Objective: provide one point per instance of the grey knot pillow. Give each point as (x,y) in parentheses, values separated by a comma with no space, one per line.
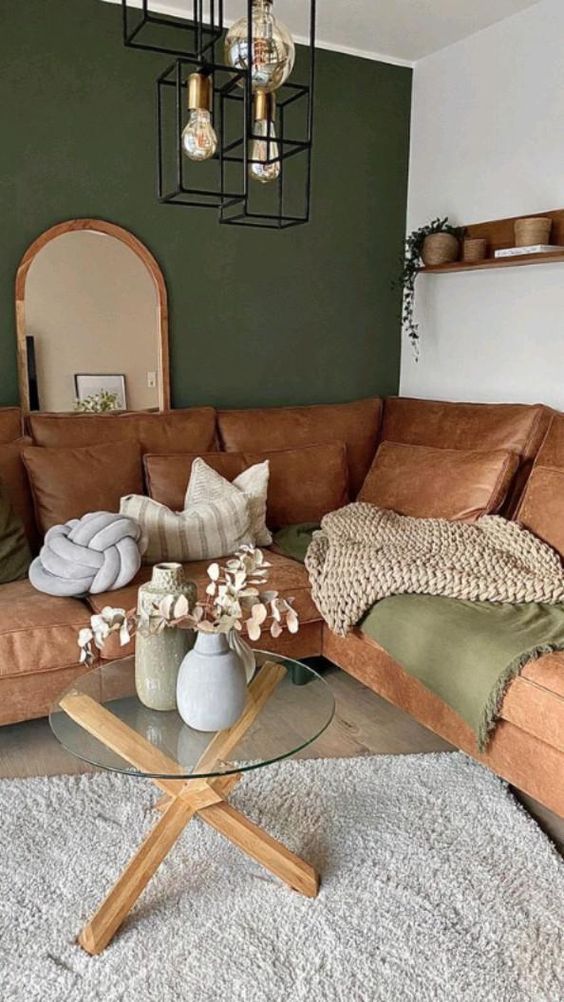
(96,553)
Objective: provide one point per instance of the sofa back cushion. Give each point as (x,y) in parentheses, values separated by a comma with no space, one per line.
(14,477)
(518,428)
(10,424)
(304,484)
(192,428)
(456,484)
(542,506)
(68,483)
(275,428)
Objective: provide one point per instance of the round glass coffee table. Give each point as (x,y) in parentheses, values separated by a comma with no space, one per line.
(100,720)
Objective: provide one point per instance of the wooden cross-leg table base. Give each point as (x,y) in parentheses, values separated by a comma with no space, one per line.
(184,799)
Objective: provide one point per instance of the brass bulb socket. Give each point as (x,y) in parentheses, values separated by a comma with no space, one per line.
(264,107)
(199,92)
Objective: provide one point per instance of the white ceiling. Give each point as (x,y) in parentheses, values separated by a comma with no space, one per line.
(397,30)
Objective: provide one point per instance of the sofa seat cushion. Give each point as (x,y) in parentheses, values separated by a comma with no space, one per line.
(288,577)
(273,428)
(304,483)
(38,632)
(190,428)
(10,424)
(535,700)
(69,483)
(456,484)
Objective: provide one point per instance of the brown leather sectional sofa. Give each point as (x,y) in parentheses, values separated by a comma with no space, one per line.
(38,648)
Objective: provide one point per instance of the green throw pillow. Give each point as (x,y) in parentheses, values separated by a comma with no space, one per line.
(15,554)
(293,540)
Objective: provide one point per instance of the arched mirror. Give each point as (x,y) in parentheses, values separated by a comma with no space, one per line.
(92,327)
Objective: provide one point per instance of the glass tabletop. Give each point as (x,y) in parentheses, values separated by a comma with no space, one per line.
(101,720)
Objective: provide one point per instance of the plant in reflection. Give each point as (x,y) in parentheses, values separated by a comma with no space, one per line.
(233,602)
(98,403)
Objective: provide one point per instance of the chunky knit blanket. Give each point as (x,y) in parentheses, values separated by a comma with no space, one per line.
(363,554)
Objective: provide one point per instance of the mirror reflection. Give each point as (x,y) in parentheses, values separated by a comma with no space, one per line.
(91,327)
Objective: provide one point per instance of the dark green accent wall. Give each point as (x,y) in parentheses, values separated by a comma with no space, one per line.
(256,317)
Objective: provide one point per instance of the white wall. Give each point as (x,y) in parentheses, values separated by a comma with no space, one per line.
(488,142)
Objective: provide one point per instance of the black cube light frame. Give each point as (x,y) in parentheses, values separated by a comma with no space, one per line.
(172,164)
(199,30)
(243,213)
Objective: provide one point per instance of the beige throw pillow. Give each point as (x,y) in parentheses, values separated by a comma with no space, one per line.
(205,531)
(206,484)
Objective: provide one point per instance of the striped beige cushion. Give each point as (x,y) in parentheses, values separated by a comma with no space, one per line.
(206,484)
(207,530)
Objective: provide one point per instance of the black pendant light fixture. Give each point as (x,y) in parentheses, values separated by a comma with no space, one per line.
(234,125)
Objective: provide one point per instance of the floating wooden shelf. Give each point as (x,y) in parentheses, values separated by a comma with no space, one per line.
(499,233)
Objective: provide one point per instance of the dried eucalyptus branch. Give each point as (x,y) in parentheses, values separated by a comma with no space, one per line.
(233,600)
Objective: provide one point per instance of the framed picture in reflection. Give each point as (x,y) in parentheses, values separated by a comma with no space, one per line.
(98,392)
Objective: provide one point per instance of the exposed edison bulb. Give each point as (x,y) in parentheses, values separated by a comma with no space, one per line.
(199,140)
(265,167)
(263,153)
(273,51)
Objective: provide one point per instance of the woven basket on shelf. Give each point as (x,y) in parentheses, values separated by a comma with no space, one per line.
(474,249)
(440,248)
(535,230)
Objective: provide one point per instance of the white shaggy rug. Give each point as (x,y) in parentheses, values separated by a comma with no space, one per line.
(436,887)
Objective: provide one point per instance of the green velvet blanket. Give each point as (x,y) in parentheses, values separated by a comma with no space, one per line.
(464,652)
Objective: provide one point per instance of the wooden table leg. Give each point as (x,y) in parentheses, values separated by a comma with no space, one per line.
(183,799)
(108,917)
(258,844)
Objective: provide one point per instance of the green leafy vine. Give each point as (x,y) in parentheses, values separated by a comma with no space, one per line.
(410,267)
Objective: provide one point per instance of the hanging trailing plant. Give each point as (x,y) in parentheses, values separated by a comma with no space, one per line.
(410,267)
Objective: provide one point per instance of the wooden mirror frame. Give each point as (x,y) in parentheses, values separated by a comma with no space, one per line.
(142,252)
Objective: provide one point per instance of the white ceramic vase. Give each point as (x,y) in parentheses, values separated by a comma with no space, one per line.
(211,690)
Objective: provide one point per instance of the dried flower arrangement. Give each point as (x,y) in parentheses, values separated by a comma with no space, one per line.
(233,600)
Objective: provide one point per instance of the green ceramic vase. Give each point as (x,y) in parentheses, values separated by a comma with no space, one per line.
(158,658)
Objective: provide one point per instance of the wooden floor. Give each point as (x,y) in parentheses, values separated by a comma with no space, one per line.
(365,724)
